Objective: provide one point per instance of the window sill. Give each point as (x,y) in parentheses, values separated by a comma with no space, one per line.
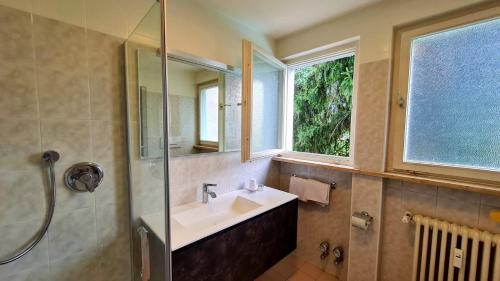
(319,164)
(315,157)
(206,148)
(449,183)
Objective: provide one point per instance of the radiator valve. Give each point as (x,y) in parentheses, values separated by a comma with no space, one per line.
(407,217)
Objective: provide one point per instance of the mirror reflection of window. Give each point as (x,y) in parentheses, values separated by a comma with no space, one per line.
(209,114)
(204,106)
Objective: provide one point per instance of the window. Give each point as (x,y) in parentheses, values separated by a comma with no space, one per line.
(301,109)
(322,104)
(263,92)
(446,98)
(209,113)
(267,97)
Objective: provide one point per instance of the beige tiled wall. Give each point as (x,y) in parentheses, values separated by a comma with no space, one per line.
(61,88)
(369,138)
(364,244)
(371,108)
(316,223)
(457,206)
(187,174)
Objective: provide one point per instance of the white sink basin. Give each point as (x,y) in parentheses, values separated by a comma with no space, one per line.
(194,221)
(215,212)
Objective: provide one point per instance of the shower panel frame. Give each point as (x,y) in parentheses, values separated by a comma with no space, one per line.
(166,143)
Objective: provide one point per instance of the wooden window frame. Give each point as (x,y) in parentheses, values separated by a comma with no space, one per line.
(399,90)
(337,51)
(246,111)
(200,144)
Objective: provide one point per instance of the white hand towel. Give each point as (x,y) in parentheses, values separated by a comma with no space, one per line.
(298,186)
(317,191)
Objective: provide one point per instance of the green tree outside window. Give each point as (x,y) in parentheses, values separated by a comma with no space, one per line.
(323,104)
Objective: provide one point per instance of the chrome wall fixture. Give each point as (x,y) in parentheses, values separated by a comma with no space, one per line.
(84,177)
(338,253)
(361,220)
(333,185)
(81,177)
(324,248)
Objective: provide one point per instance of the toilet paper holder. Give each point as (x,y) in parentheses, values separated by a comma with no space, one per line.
(361,220)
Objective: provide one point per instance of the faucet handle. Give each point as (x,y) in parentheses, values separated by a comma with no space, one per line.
(209,184)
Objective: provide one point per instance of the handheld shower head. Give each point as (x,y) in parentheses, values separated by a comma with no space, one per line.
(50,156)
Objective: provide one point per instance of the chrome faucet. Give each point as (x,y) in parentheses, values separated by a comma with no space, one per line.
(207,192)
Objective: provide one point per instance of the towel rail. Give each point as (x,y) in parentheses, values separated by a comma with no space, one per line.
(333,185)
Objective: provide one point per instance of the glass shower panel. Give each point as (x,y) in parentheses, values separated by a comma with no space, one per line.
(145,127)
(149,77)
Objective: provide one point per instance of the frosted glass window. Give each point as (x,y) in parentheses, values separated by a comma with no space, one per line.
(453,108)
(209,114)
(232,113)
(266,104)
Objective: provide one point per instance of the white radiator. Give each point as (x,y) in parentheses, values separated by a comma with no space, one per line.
(447,251)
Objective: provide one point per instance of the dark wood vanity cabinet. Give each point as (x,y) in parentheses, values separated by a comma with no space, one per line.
(242,252)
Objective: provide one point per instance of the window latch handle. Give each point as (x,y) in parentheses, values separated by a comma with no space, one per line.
(400,101)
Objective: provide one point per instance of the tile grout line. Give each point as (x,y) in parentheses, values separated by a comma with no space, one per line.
(39,118)
(89,120)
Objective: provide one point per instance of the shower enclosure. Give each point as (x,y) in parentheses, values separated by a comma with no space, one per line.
(148,159)
(63,88)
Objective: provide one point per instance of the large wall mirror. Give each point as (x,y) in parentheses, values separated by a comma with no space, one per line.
(205,105)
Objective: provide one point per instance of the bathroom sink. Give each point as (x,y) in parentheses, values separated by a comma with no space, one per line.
(215,212)
(193,221)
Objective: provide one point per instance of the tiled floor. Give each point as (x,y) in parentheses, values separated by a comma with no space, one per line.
(294,268)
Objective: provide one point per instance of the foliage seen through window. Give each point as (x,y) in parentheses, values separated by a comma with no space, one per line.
(322,107)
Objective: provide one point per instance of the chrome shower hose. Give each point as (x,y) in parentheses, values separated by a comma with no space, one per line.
(49,157)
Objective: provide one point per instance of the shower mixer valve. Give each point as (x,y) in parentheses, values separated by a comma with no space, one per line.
(84,177)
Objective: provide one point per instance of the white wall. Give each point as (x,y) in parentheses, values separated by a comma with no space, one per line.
(205,76)
(374,26)
(193,29)
(182,81)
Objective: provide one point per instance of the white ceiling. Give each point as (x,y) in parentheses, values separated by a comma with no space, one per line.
(277,18)
(150,25)
(274,18)
(114,17)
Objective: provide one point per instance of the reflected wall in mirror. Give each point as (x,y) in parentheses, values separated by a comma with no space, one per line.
(205,108)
